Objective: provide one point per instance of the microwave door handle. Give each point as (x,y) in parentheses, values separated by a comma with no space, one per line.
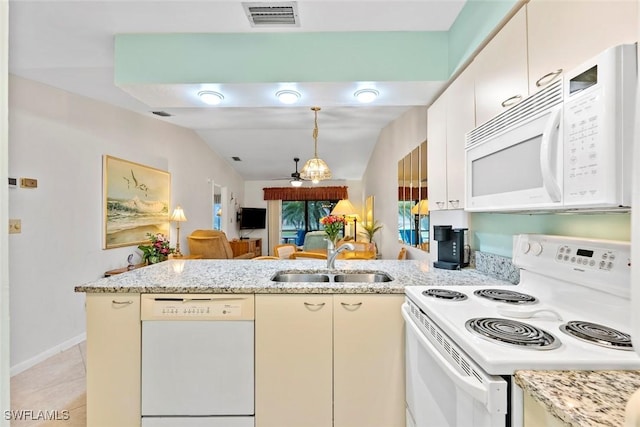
(470,387)
(548,149)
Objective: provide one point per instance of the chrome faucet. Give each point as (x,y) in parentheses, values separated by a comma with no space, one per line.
(333,253)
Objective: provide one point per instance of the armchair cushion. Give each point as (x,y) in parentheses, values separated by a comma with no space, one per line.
(212,244)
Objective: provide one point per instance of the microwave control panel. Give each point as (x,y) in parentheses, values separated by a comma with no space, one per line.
(584,157)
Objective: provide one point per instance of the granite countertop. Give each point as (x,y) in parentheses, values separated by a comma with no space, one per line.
(582,398)
(251,276)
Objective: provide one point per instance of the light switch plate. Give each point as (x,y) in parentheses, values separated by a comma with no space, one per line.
(15,226)
(28,183)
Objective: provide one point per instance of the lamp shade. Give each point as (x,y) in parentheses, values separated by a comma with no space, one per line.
(421,208)
(178,214)
(344,207)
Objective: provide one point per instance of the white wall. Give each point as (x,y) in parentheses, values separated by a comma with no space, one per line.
(381,176)
(4,197)
(59,139)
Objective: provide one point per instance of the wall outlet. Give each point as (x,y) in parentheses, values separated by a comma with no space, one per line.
(15,226)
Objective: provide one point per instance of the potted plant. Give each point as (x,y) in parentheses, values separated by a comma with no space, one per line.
(159,249)
(370,229)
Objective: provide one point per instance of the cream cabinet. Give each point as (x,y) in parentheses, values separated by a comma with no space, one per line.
(449,118)
(563,34)
(501,73)
(294,370)
(113,360)
(329,360)
(368,358)
(535,415)
(437,153)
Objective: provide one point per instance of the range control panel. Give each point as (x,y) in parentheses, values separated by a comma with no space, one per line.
(601,264)
(197,307)
(598,258)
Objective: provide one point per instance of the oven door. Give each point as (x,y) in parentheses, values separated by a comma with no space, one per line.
(520,169)
(445,388)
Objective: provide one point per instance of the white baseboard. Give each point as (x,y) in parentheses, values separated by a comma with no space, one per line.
(23,366)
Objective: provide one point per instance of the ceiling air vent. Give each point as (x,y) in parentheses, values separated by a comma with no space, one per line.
(267,14)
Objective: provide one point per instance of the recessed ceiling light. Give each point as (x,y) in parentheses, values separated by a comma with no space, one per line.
(288,96)
(366,95)
(210,97)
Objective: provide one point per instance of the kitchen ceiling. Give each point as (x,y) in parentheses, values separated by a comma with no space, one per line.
(338,48)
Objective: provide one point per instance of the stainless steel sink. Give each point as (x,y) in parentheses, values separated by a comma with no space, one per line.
(362,277)
(300,277)
(357,277)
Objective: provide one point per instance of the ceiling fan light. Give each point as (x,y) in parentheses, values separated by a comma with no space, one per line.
(288,96)
(296,183)
(210,97)
(366,95)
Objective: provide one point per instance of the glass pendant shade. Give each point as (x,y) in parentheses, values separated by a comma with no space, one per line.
(315,169)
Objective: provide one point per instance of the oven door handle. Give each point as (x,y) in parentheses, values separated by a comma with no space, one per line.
(489,395)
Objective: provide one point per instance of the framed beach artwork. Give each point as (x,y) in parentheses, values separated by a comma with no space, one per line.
(136,202)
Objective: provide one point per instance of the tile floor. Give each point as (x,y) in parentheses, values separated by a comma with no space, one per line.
(56,384)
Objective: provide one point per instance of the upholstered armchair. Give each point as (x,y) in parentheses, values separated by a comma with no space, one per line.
(212,244)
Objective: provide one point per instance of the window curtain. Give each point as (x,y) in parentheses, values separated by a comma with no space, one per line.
(273,218)
(306,193)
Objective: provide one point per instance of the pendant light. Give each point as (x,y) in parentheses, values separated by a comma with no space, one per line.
(315,169)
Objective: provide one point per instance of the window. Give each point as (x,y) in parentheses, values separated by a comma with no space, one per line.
(300,217)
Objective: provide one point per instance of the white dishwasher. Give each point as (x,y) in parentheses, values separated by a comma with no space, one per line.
(197,360)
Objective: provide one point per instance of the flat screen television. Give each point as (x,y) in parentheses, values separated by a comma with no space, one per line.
(252,218)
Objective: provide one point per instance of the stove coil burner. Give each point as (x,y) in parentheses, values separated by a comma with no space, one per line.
(506,296)
(512,333)
(445,294)
(598,334)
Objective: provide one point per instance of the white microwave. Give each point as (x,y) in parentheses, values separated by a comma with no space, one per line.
(566,147)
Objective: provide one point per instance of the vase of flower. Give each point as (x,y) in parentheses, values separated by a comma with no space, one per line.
(333,224)
(158,251)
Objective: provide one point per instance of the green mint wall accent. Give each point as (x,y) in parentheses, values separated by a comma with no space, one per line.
(492,232)
(476,21)
(278,57)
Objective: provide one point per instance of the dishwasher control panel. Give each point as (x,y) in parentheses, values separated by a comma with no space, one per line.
(197,307)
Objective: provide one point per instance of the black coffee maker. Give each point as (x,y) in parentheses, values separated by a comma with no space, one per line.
(453,250)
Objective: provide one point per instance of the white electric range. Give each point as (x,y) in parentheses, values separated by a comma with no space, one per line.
(571,310)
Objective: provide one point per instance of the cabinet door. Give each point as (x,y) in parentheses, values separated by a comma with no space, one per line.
(113,360)
(294,367)
(437,153)
(565,33)
(501,78)
(460,120)
(368,361)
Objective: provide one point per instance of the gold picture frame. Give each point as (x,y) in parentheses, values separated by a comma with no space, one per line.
(135,202)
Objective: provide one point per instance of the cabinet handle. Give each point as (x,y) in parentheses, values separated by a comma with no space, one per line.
(511,101)
(127,302)
(440,204)
(548,78)
(314,307)
(344,304)
(455,203)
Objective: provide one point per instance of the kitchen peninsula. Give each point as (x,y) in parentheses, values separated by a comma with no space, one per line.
(316,344)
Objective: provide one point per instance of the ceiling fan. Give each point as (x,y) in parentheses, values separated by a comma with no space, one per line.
(296,180)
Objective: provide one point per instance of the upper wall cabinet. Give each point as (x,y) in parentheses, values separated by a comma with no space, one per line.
(449,118)
(565,33)
(501,69)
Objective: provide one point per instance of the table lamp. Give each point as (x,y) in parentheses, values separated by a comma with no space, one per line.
(346,209)
(178,217)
